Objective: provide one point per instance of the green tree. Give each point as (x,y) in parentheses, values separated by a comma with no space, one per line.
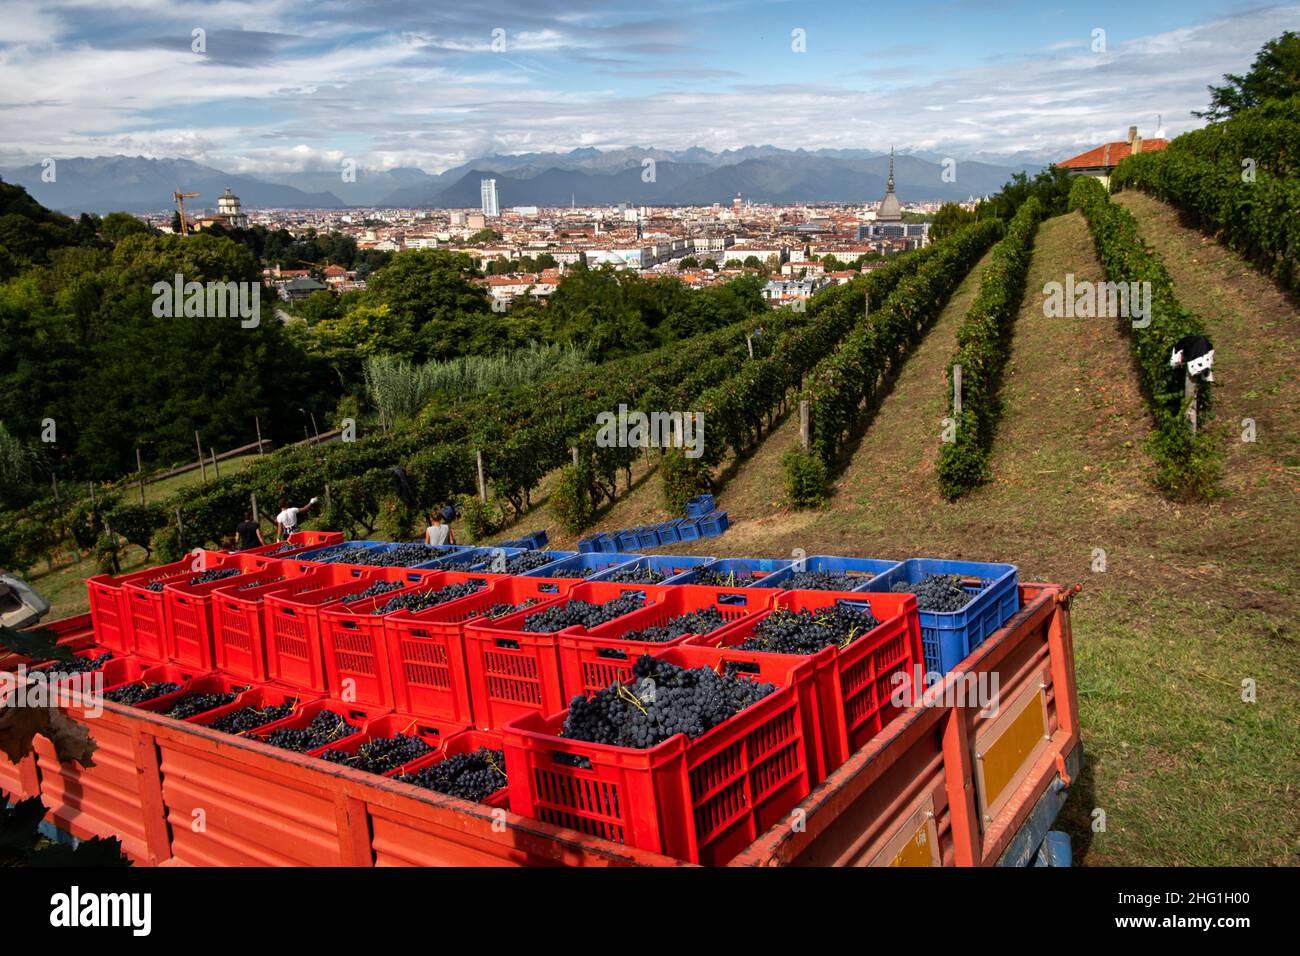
(118,225)
(431,295)
(949,218)
(1275,75)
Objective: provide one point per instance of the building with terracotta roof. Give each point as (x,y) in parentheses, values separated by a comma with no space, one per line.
(1101,160)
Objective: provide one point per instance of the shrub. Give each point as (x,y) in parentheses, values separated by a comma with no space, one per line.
(481,519)
(137,523)
(571,501)
(684,478)
(166,545)
(806,479)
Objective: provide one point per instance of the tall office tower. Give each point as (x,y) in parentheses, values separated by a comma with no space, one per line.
(488,189)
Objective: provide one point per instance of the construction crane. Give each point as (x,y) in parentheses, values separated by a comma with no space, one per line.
(180,198)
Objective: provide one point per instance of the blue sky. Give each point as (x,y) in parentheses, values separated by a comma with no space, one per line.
(295,85)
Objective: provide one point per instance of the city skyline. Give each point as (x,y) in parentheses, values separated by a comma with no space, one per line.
(263,89)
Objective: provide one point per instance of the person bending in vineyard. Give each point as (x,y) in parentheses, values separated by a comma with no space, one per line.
(438,532)
(286,522)
(248,533)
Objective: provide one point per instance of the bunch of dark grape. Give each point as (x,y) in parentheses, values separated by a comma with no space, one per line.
(784,631)
(381,754)
(419,600)
(402,556)
(335,554)
(379,587)
(187,705)
(502,609)
(585,613)
(326,728)
(216,574)
(156,585)
(821,581)
(78,665)
(660,701)
(941,593)
(473,776)
(248,718)
(573,572)
(138,692)
(283,547)
(694,622)
(638,574)
(258,583)
(463,562)
(528,561)
(717,579)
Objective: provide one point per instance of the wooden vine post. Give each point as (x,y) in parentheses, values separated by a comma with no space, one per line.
(956,391)
(139,470)
(1191,392)
(804,428)
(203,468)
(482,483)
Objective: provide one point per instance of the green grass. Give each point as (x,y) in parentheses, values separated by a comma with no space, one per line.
(162,490)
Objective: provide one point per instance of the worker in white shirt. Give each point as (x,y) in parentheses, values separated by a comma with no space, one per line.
(286,522)
(438,532)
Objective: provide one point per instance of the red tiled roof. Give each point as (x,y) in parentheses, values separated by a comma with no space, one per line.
(1097,159)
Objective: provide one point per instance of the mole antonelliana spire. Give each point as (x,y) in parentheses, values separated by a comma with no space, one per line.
(890,210)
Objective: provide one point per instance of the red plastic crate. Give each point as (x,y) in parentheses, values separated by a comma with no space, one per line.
(427,653)
(466,742)
(108,611)
(190,626)
(239,617)
(303,541)
(592,661)
(355,641)
(294,650)
(430,731)
(513,672)
(145,611)
(701,800)
(854,684)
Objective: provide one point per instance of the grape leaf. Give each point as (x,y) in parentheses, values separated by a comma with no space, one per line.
(20,725)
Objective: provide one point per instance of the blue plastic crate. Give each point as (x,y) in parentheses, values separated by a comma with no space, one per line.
(537,540)
(714,524)
(607,543)
(948,638)
(860,571)
(592,563)
(699,506)
(688,529)
(666,533)
(588,545)
(673,566)
(747,572)
(646,537)
(625,540)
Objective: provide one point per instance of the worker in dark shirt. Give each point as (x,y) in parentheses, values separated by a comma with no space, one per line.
(249,533)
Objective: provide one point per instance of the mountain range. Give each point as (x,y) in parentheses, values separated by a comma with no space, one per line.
(586,177)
